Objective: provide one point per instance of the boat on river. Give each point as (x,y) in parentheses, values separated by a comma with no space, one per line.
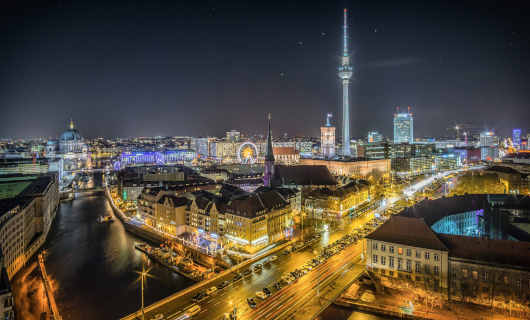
(105,219)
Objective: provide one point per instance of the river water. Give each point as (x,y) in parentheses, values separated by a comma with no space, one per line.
(94,268)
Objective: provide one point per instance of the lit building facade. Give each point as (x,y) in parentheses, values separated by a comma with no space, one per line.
(516,138)
(403,128)
(353,168)
(374,137)
(327,140)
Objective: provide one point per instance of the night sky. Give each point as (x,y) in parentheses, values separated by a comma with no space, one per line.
(144,68)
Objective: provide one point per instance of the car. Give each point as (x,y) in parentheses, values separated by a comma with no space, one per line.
(258,267)
(303,270)
(266,262)
(277,285)
(295,275)
(286,279)
(237,277)
(248,271)
(211,291)
(261,295)
(251,302)
(286,252)
(267,291)
(199,296)
(222,285)
(157,317)
(273,258)
(308,267)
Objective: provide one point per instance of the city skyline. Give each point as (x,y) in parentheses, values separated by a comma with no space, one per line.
(173,74)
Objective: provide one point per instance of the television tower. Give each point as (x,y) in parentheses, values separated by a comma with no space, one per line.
(345,73)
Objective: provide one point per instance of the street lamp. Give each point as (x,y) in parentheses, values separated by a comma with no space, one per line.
(143,275)
(234,315)
(318,266)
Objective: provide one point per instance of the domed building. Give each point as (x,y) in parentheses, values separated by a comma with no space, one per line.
(71,141)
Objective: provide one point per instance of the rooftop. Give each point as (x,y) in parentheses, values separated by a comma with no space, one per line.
(506,252)
(304,175)
(409,232)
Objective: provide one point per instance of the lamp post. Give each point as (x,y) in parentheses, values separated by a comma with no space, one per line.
(318,286)
(234,308)
(143,275)
(303,214)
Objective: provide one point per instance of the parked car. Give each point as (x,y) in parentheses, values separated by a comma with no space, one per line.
(157,317)
(251,302)
(266,262)
(258,267)
(261,295)
(277,285)
(286,252)
(267,291)
(273,258)
(248,271)
(237,277)
(222,285)
(211,291)
(199,296)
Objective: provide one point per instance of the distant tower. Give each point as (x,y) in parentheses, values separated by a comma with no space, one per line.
(268,175)
(71,123)
(403,127)
(345,73)
(327,140)
(516,140)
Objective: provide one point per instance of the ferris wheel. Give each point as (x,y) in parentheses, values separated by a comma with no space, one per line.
(247,153)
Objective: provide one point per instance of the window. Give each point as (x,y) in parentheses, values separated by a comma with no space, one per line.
(391,273)
(454,273)
(436,282)
(427,255)
(409,265)
(464,274)
(507,280)
(400,250)
(497,279)
(518,282)
(400,263)
(427,269)
(383,260)
(454,284)
(528,284)
(418,254)
(418,266)
(485,289)
(391,262)
(375,258)
(375,246)
(475,275)
(383,271)
(436,257)
(383,247)
(485,276)
(436,270)
(409,252)
(391,249)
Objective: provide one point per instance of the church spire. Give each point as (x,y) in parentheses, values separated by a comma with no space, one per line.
(270,155)
(71,123)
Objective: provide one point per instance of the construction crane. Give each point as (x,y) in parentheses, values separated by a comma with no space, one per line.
(463,126)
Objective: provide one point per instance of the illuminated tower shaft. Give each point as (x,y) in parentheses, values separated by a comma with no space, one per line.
(345,73)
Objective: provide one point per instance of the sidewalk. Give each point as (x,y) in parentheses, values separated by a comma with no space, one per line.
(363,297)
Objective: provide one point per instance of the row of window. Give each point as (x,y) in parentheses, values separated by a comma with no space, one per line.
(408,264)
(409,251)
(485,277)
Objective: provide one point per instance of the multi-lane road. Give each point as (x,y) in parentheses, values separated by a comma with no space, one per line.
(281,301)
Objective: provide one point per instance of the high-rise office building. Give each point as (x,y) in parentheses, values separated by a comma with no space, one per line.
(345,73)
(487,139)
(516,138)
(374,137)
(403,127)
(327,140)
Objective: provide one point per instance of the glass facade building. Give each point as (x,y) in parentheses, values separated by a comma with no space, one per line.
(403,127)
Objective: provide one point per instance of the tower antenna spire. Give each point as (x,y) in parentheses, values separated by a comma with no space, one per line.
(345,33)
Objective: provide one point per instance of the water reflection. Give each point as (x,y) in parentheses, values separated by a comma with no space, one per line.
(94,265)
